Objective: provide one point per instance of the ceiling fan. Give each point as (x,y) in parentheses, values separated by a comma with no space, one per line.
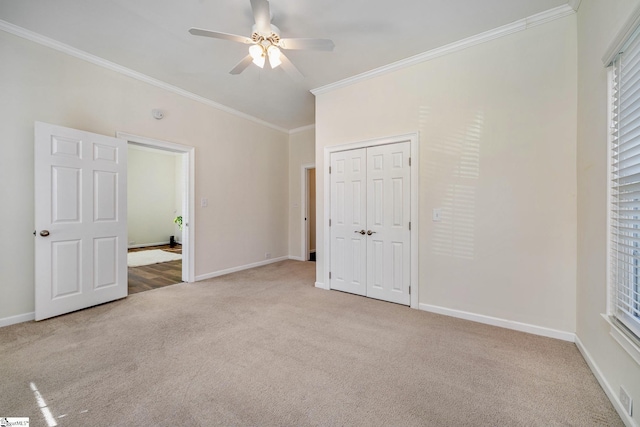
(266,43)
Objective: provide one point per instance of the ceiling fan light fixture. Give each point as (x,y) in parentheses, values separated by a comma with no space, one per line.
(265,41)
(257,53)
(274,56)
(259,61)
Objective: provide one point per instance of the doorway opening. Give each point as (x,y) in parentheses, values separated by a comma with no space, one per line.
(160,200)
(155,193)
(308,211)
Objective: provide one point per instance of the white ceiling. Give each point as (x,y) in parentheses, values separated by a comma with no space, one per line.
(151,37)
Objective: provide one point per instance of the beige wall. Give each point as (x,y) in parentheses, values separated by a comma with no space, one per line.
(241,166)
(301,152)
(598,23)
(151,195)
(497,134)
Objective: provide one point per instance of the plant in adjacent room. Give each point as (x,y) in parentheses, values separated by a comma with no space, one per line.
(178,220)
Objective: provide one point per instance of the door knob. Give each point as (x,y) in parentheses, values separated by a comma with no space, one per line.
(361,232)
(44,233)
(369,232)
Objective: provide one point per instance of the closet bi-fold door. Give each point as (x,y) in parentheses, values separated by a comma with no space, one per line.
(370,214)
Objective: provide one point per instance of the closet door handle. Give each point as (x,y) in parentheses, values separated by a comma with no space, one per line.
(369,232)
(361,232)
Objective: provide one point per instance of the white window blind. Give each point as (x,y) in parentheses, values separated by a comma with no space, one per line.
(625,186)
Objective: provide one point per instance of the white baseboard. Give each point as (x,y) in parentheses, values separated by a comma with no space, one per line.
(297,258)
(239,268)
(503,323)
(20,318)
(611,394)
(144,245)
(321,286)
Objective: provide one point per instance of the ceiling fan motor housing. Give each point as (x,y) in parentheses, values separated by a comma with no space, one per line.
(273,38)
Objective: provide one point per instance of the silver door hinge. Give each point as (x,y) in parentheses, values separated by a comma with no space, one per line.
(329,170)
(409,161)
(329,275)
(409,225)
(409,290)
(329,222)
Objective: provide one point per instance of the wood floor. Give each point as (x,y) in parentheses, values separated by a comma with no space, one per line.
(155,276)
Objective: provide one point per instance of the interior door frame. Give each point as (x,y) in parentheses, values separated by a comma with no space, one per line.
(188,208)
(412,138)
(304,208)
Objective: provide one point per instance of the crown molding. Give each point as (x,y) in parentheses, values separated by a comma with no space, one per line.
(302,129)
(505,30)
(575,4)
(96,60)
(626,31)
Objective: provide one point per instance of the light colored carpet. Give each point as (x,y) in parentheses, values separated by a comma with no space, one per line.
(152,256)
(263,347)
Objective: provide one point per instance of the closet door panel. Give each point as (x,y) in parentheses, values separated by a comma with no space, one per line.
(389,209)
(348,220)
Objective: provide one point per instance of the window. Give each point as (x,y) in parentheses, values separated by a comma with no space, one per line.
(625,186)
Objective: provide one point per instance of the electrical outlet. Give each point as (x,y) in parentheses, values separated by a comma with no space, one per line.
(204,202)
(267,255)
(626,401)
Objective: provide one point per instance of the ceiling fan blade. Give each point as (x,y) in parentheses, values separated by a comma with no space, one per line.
(262,15)
(242,65)
(310,44)
(290,69)
(219,35)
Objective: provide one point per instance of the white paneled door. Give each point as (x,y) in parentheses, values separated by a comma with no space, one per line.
(80,219)
(349,221)
(370,222)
